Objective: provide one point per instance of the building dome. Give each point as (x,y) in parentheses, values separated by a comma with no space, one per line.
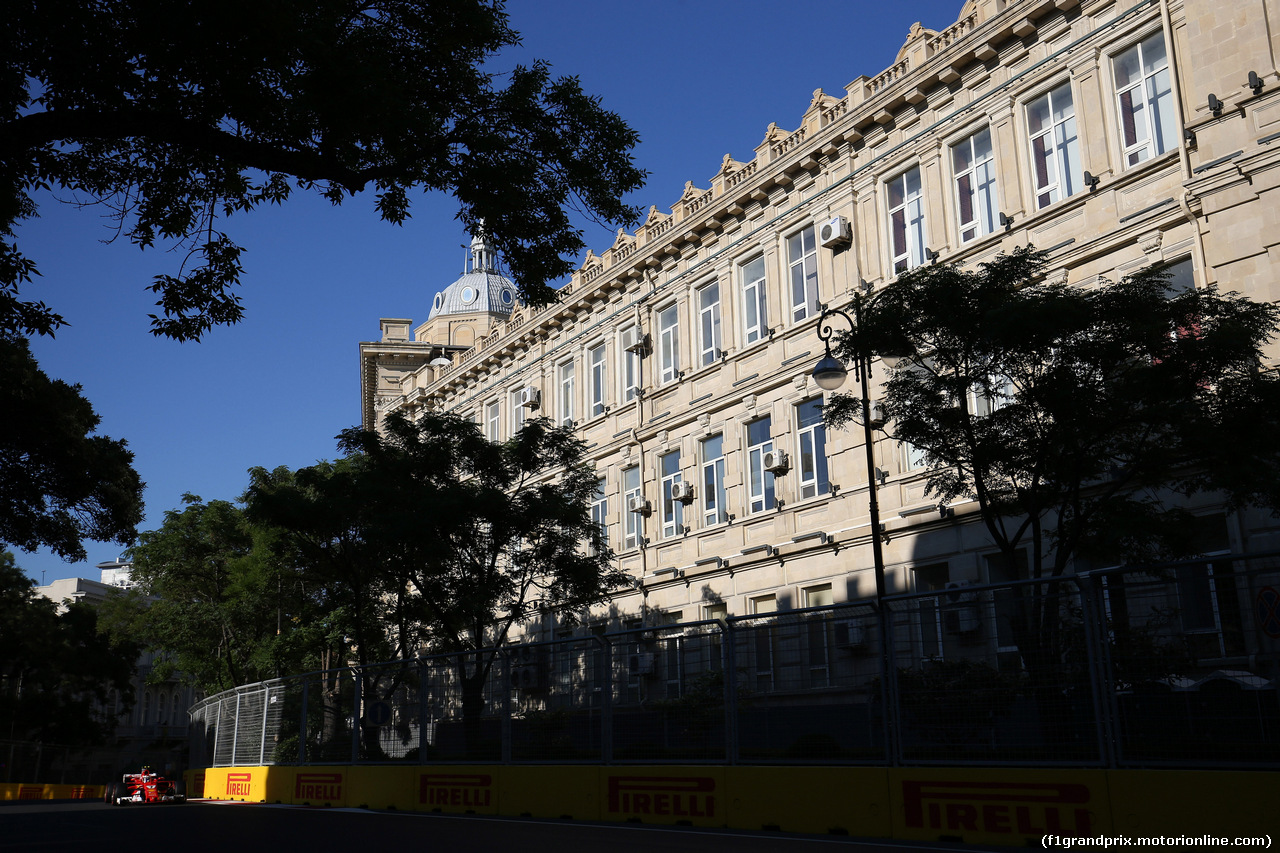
(480,289)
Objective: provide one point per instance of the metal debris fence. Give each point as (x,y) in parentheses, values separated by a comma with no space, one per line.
(1172,665)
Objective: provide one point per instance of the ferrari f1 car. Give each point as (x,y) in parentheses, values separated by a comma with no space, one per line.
(146,787)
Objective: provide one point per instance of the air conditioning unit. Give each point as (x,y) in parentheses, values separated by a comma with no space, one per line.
(776,462)
(834,232)
(530,397)
(877,415)
(638,344)
(682,492)
(958,592)
(640,663)
(637,503)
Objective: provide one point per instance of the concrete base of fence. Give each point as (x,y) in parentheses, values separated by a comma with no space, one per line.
(25,791)
(1014,806)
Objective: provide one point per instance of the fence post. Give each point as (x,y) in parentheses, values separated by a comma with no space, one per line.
(356,689)
(728,662)
(262,740)
(302,725)
(889,695)
(505,681)
(423,718)
(606,707)
(1097,648)
(235,734)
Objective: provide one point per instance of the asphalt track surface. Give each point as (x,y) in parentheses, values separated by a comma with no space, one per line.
(238,828)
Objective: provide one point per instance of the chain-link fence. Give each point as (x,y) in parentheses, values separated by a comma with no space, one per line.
(1169,665)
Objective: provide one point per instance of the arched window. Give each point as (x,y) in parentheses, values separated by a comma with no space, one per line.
(146,708)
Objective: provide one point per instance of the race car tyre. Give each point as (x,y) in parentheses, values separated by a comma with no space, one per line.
(113,794)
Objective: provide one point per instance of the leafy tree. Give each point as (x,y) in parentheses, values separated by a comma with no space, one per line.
(57,671)
(215,595)
(59,483)
(176,116)
(1078,418)
(438,530)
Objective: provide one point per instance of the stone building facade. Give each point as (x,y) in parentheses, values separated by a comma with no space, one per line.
(1113,133)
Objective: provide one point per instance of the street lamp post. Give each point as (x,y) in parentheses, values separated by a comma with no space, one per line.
(830,374)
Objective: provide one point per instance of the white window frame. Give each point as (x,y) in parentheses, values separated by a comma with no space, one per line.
(672,510)
(905,220)
(598,377)
(761,494)
(715,509)
(913,458)
(802,273)
(629,376)
(668,324)
(709,339)
(518,414)
(600,508)
(1058,155)
(567,378)
(975,182)
(1147,129)
(633,522)
(812,470)
(493,420)
(765,636)
(754,300)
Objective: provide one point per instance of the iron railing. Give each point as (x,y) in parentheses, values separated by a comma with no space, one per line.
(1171,665)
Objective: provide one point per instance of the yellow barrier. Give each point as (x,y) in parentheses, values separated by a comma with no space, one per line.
(27,791)
(1008,806)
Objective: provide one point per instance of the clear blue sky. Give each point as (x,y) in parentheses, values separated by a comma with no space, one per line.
(697,80)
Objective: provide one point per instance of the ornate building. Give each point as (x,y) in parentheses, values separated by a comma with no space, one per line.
(1113,133)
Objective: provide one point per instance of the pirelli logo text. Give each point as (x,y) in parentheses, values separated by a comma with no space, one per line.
(1023,808)
(321,787)
(460,790)
(30,792)
(672,796)
(238,784)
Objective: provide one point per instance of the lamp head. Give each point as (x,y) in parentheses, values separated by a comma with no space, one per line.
(829,373)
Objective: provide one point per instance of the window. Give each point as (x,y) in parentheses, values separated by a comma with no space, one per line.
(1208,595)
(630,343)
(633,522)
(600,509)
(518,412)
(818,652)
(802,255)
(668,344)
(912,456)
(906,220)
(760,486)
(493,420)
(813,449)
(567,382)
(713,495)
(995,396)
(764,637)
(1145,100)
(1055,148)
(1008,606)
(755,313)
(974,165)
(709,323)
(929,610)
(595,360)
(715,649)
(672,509)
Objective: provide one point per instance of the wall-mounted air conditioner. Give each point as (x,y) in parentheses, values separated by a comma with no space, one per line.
(834,232)
(777,462)
(682,492)
(530,397)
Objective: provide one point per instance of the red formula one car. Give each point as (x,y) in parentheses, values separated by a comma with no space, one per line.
(146,787)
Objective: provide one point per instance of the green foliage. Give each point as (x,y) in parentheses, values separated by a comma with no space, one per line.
(215,594)
(177,116)
(1103,405)
(59,483)
(57,671)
